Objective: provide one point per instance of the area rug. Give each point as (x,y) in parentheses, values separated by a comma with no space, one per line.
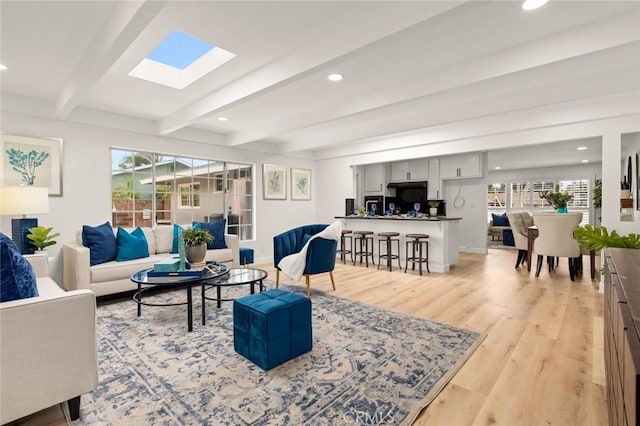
(367,366)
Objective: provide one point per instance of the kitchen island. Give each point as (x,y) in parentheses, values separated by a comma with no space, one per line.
(442,231)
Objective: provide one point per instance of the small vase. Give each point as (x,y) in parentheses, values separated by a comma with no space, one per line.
(561,210)
(433,211)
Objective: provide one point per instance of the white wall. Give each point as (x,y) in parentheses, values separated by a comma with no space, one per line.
(86,196)
(467,198)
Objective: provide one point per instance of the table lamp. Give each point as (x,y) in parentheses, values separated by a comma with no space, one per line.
(23,200)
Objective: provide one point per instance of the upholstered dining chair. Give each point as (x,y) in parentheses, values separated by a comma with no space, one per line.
(320,256)
(520,222)
(555,239)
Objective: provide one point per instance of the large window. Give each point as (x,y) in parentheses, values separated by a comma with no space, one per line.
(153,188)
(525,195)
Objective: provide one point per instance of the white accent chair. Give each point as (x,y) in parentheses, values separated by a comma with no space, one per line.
(520,222)
(555,239)
(47,347)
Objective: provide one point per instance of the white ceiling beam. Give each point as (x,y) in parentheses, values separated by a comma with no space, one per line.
(594,37)
(588,110)
(314,51)
(120,30)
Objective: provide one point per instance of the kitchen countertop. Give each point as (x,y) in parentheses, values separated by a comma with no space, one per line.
(401,217)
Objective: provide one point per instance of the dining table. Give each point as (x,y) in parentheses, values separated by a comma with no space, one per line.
(532,233)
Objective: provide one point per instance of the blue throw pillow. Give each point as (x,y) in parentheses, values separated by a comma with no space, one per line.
(174,245)
(17,277)
(101,242)
(217,230)
(131,245)
(500,219)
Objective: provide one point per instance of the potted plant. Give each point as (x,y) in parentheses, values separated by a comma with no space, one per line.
(40,237)
(597,237)
(433,207)
(195,241)
(557,199)
(361,211)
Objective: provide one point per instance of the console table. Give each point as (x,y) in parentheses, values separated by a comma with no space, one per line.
(622,334)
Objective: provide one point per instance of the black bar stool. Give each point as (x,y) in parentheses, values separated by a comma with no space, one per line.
(344,235)
(388,238)
(417,241)
(361,239)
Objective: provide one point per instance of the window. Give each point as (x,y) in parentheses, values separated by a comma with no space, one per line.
(153,188)
(189,195)
(526,196)
(497,196)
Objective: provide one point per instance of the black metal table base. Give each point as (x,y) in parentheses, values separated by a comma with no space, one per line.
(137,297)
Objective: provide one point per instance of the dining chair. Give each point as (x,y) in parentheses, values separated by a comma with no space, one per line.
(519,222)
(555,239)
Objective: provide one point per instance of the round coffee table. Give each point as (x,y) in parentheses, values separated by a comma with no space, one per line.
(234,277)
(142,278)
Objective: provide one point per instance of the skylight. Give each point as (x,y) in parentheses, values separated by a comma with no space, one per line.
(180,60)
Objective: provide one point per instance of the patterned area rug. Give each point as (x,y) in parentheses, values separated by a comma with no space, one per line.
(367,366)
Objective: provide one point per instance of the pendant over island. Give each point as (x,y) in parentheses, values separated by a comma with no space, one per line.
(442,231)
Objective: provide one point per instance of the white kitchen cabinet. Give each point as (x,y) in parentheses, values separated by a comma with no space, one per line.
(417,169)
(374,178)
(461,166)
(434,182)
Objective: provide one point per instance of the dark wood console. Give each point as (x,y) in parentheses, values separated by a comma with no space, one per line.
(622,334)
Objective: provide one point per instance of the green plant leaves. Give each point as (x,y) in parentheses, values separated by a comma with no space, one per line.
(597,237)
(39,237)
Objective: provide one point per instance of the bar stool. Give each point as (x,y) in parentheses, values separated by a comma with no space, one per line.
(344,235)
(361,240)
(387,237)
(417,242)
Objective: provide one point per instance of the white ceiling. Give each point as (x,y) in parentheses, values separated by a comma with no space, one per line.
(408,66)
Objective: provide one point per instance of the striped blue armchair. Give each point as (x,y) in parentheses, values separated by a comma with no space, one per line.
(321,254)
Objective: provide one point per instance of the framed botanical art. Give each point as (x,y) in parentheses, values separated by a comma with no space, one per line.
(31,161)
(300,184)
(274,182)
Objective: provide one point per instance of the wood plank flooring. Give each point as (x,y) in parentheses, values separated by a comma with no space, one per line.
(542,361)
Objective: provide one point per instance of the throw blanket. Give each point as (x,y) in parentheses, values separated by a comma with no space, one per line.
(294,264)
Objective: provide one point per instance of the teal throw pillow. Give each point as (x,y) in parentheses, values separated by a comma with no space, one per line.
(216,229)
(101,243)
(17,277)
(174,245)
(131,245)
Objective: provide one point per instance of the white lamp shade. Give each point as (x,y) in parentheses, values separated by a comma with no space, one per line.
(23,200)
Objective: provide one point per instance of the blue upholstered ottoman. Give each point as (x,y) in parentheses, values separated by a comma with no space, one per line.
(246,255)
(272,327)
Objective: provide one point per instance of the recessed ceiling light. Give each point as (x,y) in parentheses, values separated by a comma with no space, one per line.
(3,67)
(497,167)
(223,118)
(335,77)
(581,148)
(585,161)
(533,4)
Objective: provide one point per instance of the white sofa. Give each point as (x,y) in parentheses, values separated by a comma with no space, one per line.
(47,348)
(114,277)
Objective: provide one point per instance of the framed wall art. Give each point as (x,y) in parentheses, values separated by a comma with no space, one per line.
(300,184)
(31,161)
(274,182)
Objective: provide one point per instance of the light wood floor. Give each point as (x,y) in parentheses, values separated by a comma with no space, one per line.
(541,362)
